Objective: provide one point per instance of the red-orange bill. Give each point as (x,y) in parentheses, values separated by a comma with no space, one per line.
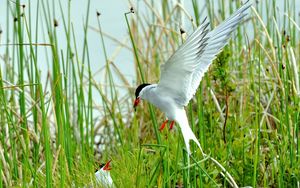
(106,166)
(136,102)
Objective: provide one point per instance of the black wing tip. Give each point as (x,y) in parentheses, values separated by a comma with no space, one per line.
(204,20)
(246,5)
(246,2)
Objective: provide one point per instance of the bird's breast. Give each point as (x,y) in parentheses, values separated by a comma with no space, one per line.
(163,102)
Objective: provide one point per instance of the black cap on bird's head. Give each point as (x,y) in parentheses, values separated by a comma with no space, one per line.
(139,89)
(137,94)
(104,166)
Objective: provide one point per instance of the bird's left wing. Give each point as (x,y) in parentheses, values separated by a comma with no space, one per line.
(176,73)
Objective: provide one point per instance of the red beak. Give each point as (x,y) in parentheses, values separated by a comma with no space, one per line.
(106,166)
(136,102)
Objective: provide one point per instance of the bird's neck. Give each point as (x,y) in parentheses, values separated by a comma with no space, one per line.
(160,100)
(148,92)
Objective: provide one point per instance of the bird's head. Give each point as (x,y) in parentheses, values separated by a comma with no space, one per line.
(106,166)
(138,94)
(103,167)
(103,175)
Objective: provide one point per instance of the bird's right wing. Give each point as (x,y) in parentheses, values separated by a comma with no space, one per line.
(182,73)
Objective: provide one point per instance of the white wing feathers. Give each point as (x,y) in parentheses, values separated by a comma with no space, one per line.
(182,73)
(176,72)
(218,38)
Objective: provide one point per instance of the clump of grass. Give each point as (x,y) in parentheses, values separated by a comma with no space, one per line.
(248,78)
(225,86)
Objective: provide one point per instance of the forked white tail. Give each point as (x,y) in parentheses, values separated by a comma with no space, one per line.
(187,131)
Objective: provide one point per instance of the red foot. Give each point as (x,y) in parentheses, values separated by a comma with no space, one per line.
(163,125)
(172,124)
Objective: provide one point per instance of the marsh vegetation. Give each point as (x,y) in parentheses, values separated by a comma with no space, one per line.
(246,112)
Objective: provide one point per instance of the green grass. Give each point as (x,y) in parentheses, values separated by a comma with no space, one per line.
(246,112)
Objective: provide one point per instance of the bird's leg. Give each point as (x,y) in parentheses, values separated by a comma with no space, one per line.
(163,125)
(172,124)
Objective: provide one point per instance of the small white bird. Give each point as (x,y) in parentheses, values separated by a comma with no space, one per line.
(103,176)
(181,74)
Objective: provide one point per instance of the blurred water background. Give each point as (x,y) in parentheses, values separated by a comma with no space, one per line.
(113,24)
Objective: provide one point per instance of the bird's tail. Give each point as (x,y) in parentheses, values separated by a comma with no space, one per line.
(187,131)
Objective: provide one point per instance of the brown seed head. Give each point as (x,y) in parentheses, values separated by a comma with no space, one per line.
(131,10)
(98,13)
(55,23)
(182,31)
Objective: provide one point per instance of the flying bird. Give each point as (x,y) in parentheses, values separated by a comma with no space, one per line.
(181,74)
(103,176)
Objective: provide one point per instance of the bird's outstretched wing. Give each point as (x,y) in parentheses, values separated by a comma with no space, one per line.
(183,71)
